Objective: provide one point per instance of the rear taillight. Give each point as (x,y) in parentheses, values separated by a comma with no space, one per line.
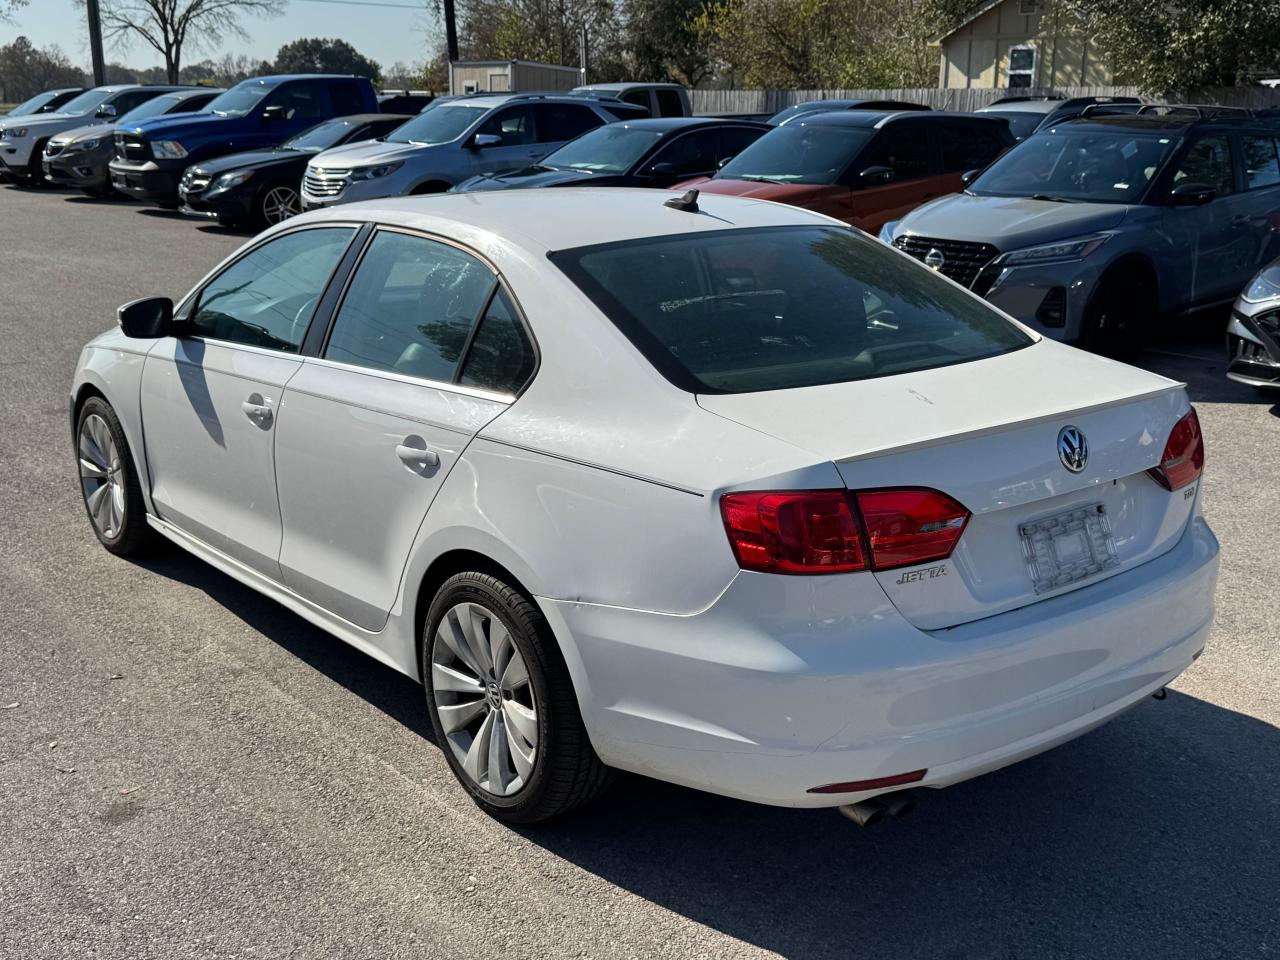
(1183,459)
(836,531)
(807,531)
(907,527)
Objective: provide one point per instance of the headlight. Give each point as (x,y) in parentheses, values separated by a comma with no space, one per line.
(886,232)
(1265,286)
(228,180)
(14,133)
(168,150)
(372,173)
(1050,252)
(79,146)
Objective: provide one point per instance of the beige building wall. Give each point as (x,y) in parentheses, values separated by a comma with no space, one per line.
(501,76)
(977,54)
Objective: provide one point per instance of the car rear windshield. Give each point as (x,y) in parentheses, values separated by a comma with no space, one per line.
(799,152)
(1022,123)
(613,148)
(438,125)
(738,311)
(1085,166)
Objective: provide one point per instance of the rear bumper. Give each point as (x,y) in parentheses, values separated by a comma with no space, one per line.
(783,685)
(147,181)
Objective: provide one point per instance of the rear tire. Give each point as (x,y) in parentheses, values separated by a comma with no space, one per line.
(494,677)
(109,483)
(1118,315)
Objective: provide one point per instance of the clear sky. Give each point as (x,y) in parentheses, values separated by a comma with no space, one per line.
(386,30)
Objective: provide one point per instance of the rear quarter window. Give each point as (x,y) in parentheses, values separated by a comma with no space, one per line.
(739,311)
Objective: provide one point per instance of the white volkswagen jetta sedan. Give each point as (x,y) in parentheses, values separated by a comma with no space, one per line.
(720,492)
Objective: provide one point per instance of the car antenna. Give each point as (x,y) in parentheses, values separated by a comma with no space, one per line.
(687,202)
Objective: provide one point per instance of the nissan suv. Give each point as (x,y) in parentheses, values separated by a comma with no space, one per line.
(454,141)
(1090,229)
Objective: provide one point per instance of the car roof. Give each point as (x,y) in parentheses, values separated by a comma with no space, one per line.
(275,78)
(685,123)
(542,221)
(627,86)
(880,118)
(1157,123)
(1022,106)
(489,100)
(186,92)
(373,117)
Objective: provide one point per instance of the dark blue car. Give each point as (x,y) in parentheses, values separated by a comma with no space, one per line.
(258,112)
(655,152)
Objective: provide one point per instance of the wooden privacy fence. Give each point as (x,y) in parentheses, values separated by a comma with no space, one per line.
(770,101)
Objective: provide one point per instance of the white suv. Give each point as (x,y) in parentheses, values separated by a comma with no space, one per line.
(722,492)
(453,140)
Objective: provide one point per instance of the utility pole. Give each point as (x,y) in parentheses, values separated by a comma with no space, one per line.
(450,30)
(582,56)
(95,43)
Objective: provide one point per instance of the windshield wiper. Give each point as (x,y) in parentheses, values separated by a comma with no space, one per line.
(1051,199)
(755,178)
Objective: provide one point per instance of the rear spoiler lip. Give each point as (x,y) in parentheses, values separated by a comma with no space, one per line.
(939,440)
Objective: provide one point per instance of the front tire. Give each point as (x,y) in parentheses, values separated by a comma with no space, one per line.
(275,203)
(502,704)
(1118,316)
(109,483)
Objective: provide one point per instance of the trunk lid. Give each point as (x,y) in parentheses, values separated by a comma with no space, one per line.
(986,434)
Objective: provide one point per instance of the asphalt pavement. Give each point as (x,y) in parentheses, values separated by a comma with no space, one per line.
(188,770)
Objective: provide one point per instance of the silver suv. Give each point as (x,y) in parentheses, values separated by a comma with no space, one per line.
(452,141)
(1091,228)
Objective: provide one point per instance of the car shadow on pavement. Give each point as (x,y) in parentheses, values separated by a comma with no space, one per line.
(1157,835)
(1192,350)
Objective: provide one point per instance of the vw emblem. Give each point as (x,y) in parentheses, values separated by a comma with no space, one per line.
(934,259)
(1073,449)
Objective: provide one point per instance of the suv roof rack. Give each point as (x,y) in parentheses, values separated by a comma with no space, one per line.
(1111,109)
(1200,111)
(1052,96)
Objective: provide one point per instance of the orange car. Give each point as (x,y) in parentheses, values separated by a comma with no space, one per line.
(864,168)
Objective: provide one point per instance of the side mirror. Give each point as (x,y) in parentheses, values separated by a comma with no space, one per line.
(482,140)
(723,161)
(661,170)
(1192,194)
(146,319)
(875,176)
(106,111)
(274,112)
(969,176)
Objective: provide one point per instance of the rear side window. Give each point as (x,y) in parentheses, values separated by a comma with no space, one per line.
(737,311)
(560,121)
(345,97)
(410,307)
(903,148)
(967,146)
(501,357)
(669,103)
(1260,166)
(265,299)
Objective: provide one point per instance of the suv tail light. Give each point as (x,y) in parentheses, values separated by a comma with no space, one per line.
(838,531)
(1183,459)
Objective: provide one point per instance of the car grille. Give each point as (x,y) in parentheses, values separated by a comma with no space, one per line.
(325,181)
(962,260)
(194,181)
(132,147)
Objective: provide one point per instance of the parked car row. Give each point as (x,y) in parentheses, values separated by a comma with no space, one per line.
(1088,222)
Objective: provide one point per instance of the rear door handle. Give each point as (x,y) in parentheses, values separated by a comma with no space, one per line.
(417,456)
(257,409)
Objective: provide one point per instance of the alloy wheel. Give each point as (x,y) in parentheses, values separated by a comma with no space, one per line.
(102,477)
(484,700)
(280,203)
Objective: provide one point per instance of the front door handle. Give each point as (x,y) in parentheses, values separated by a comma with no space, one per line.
(1241,220)
(415,456)
(257,409)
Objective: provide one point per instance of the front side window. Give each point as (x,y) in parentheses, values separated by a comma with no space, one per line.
(737,311)
(692,153)
(903,148)
(669,103)
(558,122)
(301,101)
(410,307)
(1208,162)
(513,125)
(1065,164)
(126,102)
(265,299)
(239,100)
(798,152)
(1260,167)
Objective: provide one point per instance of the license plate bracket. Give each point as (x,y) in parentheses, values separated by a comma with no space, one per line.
(1068,547)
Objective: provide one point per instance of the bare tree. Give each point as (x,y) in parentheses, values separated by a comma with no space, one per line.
(9,7)
(170,25)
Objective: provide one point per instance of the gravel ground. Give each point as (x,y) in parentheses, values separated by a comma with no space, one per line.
(187,770)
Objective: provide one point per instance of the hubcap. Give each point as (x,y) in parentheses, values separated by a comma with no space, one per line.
(280,203)
(484,699)
(101,476)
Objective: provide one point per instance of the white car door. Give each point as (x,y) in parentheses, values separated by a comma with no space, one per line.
(425,349)
(210,398)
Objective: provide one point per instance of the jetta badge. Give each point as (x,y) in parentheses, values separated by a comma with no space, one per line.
(934,259)
(1073,449)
